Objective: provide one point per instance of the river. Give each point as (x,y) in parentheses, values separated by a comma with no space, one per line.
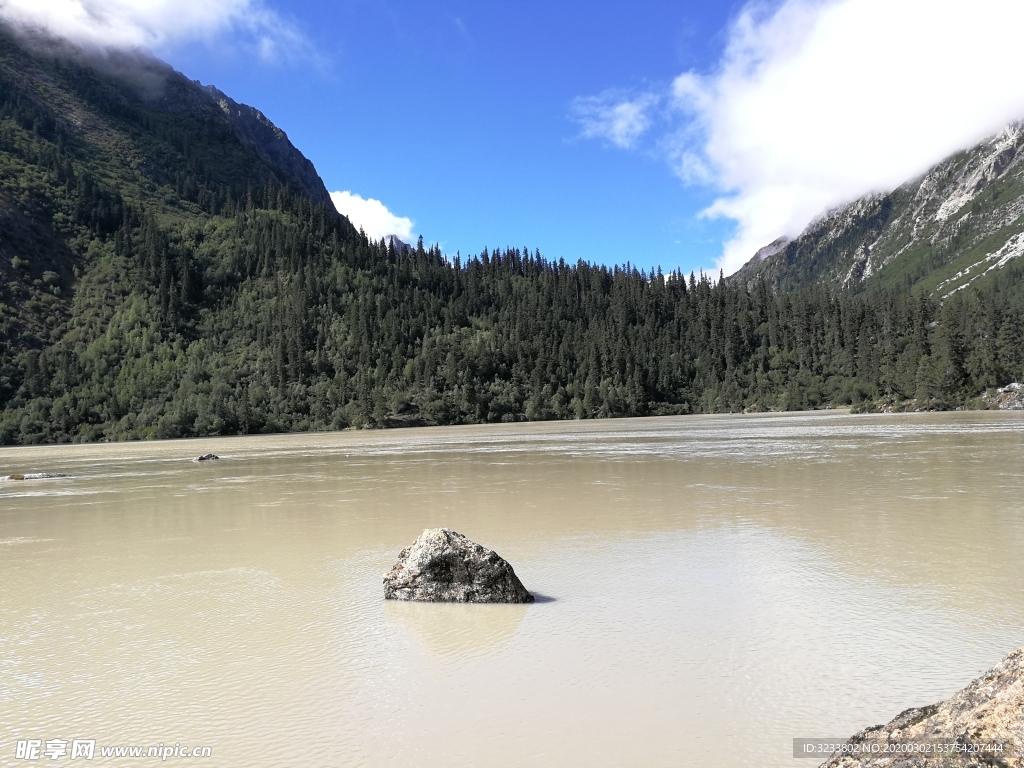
(710,588)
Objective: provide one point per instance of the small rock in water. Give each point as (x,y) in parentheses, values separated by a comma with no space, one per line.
(443,566)
(208,457)
(35,476)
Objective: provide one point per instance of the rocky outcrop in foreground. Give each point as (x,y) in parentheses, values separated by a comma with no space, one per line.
(956,733)
(443,566)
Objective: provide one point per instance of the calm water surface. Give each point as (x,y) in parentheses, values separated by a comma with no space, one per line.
(713,588)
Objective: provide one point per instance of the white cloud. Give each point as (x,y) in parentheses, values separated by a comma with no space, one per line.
(819,103)
(815,103)
(372,216)
(155,24)
(613,117)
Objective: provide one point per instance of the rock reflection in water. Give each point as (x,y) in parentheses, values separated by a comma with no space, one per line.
(457,628)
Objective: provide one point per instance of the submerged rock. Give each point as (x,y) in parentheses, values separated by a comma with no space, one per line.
(208,457)
(443,566)
(35,476)
(981,725)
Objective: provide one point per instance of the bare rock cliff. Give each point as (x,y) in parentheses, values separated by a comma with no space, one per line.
(957,224)
(271,143)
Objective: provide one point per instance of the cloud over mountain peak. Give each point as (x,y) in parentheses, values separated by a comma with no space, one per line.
(156,24)
(814,103)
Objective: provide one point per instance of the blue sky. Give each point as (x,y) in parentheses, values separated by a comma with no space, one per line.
(674,134)
(459,115)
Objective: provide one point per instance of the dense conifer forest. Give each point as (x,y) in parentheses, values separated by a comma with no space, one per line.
(195,291)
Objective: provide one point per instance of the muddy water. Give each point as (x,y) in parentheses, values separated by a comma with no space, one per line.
(711,589)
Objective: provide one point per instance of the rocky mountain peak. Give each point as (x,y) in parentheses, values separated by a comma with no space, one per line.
(956,224)
(256,130)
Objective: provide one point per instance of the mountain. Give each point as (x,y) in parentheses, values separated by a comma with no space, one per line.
(397,242)
(271,143)
(956,226)
(171,266)
(90,143)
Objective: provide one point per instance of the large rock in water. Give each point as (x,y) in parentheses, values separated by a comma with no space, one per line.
(988,711)
(443,566)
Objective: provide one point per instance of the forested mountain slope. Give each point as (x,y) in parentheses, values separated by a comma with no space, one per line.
(81,150)
(954,227)
(168,270)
